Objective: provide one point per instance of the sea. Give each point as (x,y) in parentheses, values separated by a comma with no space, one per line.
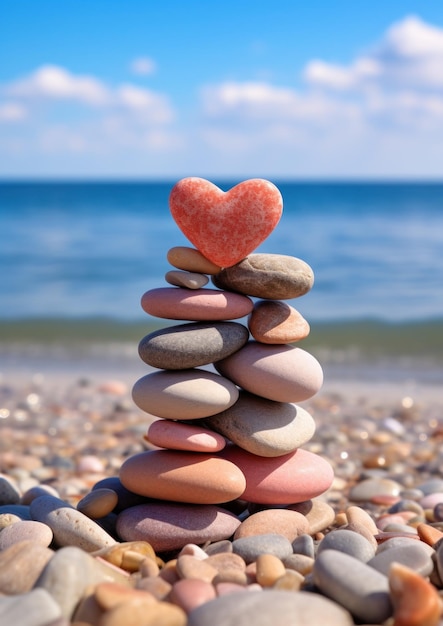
(76,257)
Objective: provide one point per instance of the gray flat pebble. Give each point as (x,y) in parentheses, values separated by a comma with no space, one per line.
(279,608)
(349,542)
(354,585)
(70,527)
(35,608)
(249,548)
(414,556)
(9,493)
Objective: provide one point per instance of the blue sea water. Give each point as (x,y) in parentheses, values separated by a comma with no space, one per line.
(75,258)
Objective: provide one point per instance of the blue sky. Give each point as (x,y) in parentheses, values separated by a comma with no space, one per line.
(283,89)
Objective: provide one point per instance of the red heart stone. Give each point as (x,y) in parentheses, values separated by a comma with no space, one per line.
(226,226)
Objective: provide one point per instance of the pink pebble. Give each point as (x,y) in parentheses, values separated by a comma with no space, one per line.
(178,436)
(90,464)
(200,304)
(189,593)
(429,501)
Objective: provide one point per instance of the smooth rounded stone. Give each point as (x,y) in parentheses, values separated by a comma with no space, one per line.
(6,519)
(98,503)
(126,498)
(300,563)
(189,280)
(271,606)
(304,545)
(189,593)
(264,427)
(270,276)
(371,487)
(280,373)
(431,500)
(230,567)
(438,512)
(192,477)
(184,394)
(191,345)
(191,260)
(269,569)
(249,548)
(416,601)
(199,304)
(136,612)
(273,321)
(9,492)
(225,226)
(415,556)
(188,566)
(288,523)
(21,565)
(38,533)
(70,527)
(168,526)
(294,477)
(354,585)
(35,608)
(178,436)
(318,513)
(20,510)
(432,485)
(37,491)
(357,515)
(348,542)
(403,541)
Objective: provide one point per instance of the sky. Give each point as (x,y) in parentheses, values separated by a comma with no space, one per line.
(146,89)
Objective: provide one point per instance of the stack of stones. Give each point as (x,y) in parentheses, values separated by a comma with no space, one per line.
(229,434)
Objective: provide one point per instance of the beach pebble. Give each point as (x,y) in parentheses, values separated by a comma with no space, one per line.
(35,608)
(191,260)
(269,569)
(370,487)
(70,527)
(264,427)
(188,566)
(431,500)
(190,593)
(304,545)
(433,485)
(191,345)
(319,514)
(225,226)
(192,477)
(230,568)
(280,373)
(178,436)
(416,601)
(189,280)
(169,526)
(185,394)
(299,563)
(414,556)
(249,548)
(21,565)
(272,321)
(275,607)
(288,523)
(349,542)
(358,516)
(125,497)
(19,510)
(6,519)
(98,503)
(144,612)
(270,276)
(37,491)
(9,492)
(200,304)
(356,586)
(90,464)
(294,477)
(38,533)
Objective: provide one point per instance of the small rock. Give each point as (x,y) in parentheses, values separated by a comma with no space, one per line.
(35,608)
(249,548)
(40,534)
(189,280)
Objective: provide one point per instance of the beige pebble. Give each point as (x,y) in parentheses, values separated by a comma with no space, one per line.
(142,612)
(190,567)
(87,611)
(191,260)
(357,515)
(156,586)
(189,280)
(269,569)
(284,522)
(290,581)
(149,568)
(113,387)
(318,513)
(128,555)
(193,550)
(299,563)
(6,519)
(38,533)
(273,321)
(169,572)
(20,566)
(98,503)
(110,595)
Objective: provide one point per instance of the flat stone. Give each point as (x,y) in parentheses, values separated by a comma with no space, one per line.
(178,436)
(225,226)
(270,276)
(184,394)
(143,611)
(264,427)
(415,556)
(294,477)
(275,607)
(249,548)
(356,586)
(35,608)
(192,477)
(273,321)
(191,260)
(191,345)
(348,542)
(70,527)
(177,303)
(290,524)
(98,503)
(188,566)
(280,373)
(9,492)
(36,532)
(372,487)
(318,513)
(169,526)
(21,565)
(189,280)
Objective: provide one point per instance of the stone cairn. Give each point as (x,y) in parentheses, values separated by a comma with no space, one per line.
(226,457)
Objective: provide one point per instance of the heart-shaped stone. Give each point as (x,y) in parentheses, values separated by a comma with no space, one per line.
(226,226)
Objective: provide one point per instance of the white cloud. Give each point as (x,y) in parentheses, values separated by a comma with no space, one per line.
(143,66)
(12,112)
